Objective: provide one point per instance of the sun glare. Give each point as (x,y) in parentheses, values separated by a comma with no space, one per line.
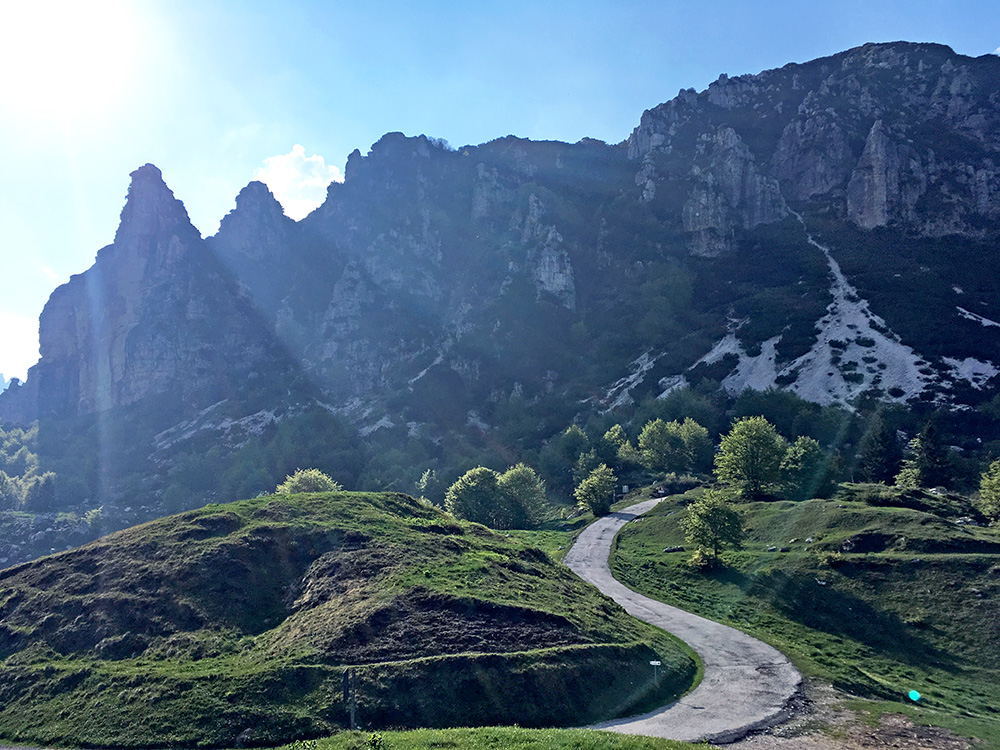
(65,60)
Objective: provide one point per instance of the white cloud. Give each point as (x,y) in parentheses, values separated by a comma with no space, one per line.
(298,181)
(18,344)
(996,51)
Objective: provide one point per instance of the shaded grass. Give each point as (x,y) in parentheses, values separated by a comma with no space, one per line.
(913,604)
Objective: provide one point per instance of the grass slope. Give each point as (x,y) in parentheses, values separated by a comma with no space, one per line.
(237,621)
(877,597)
(497,738)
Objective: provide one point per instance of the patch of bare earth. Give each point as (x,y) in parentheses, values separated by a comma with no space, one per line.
(822,722)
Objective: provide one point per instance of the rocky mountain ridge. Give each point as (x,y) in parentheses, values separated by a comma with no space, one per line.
(827,227)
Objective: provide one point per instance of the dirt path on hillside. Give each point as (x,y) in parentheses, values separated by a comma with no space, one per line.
(747,684)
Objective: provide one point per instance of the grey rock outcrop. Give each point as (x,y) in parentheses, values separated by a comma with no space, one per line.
(435,283)
(144,321)
(730,193)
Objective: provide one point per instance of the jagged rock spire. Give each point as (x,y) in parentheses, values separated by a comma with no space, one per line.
(151,209)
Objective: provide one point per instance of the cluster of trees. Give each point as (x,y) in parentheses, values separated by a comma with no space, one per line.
(758,462)
(23,485)
(514,499)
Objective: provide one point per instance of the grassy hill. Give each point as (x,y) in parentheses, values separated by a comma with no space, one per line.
(237,621)
(877,590)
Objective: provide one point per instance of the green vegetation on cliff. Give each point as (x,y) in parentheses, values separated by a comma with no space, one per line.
(238,621)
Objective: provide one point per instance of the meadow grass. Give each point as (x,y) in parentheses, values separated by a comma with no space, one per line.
(877,600)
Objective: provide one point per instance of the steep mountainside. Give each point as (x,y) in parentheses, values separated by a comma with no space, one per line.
(828,228)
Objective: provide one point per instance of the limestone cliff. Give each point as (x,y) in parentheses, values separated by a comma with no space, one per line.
(787,221)
(889,133)
(155,316)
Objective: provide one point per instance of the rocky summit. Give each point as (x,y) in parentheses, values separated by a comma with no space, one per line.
(828,228)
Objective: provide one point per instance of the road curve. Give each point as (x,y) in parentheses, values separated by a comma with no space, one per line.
(747,685)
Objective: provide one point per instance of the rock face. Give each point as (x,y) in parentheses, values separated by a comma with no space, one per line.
(144,322)
(893,133)
(436,285)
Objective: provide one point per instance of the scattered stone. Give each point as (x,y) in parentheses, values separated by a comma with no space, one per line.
(673,549)
(785,549)
(772,548)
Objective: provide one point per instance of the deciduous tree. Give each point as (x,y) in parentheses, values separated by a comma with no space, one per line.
(524,492)
(712,524)
(662,447)
(989,492)
(475,496)
(749,457)
(596,493)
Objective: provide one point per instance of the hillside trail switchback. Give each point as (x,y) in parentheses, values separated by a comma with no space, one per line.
(747,684)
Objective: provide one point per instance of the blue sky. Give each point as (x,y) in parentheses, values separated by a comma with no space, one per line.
(216,92)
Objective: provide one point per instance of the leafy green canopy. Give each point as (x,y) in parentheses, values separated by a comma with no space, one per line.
(711,524)
(307,480)
(512,500)
(596,493)
(989,492)
(750,457)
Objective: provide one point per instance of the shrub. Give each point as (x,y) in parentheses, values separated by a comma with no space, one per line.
(307,480)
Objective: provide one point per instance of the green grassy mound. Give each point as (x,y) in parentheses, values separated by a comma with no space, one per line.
(236,622)
(880,592)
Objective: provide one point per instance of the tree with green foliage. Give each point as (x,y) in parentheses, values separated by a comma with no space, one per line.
(879,456)
(661,446)
(475,496)
(988,502)
(571,443)
(804,470)
(524,492)
(559,458)
(307,480)
(616,449)
(926,463)
(712,524)
(586,463)
(697,446)
(10,492)
(596,493)
(429,487)
(39,493)
(749,457)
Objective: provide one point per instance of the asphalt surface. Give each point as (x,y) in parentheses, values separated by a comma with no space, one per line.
(747,684)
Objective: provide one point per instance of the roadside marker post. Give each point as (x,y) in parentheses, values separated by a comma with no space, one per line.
(656,668)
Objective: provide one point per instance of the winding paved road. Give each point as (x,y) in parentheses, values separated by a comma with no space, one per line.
(747,684)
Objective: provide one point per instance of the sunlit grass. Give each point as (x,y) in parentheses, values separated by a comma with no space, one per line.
(879,601)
